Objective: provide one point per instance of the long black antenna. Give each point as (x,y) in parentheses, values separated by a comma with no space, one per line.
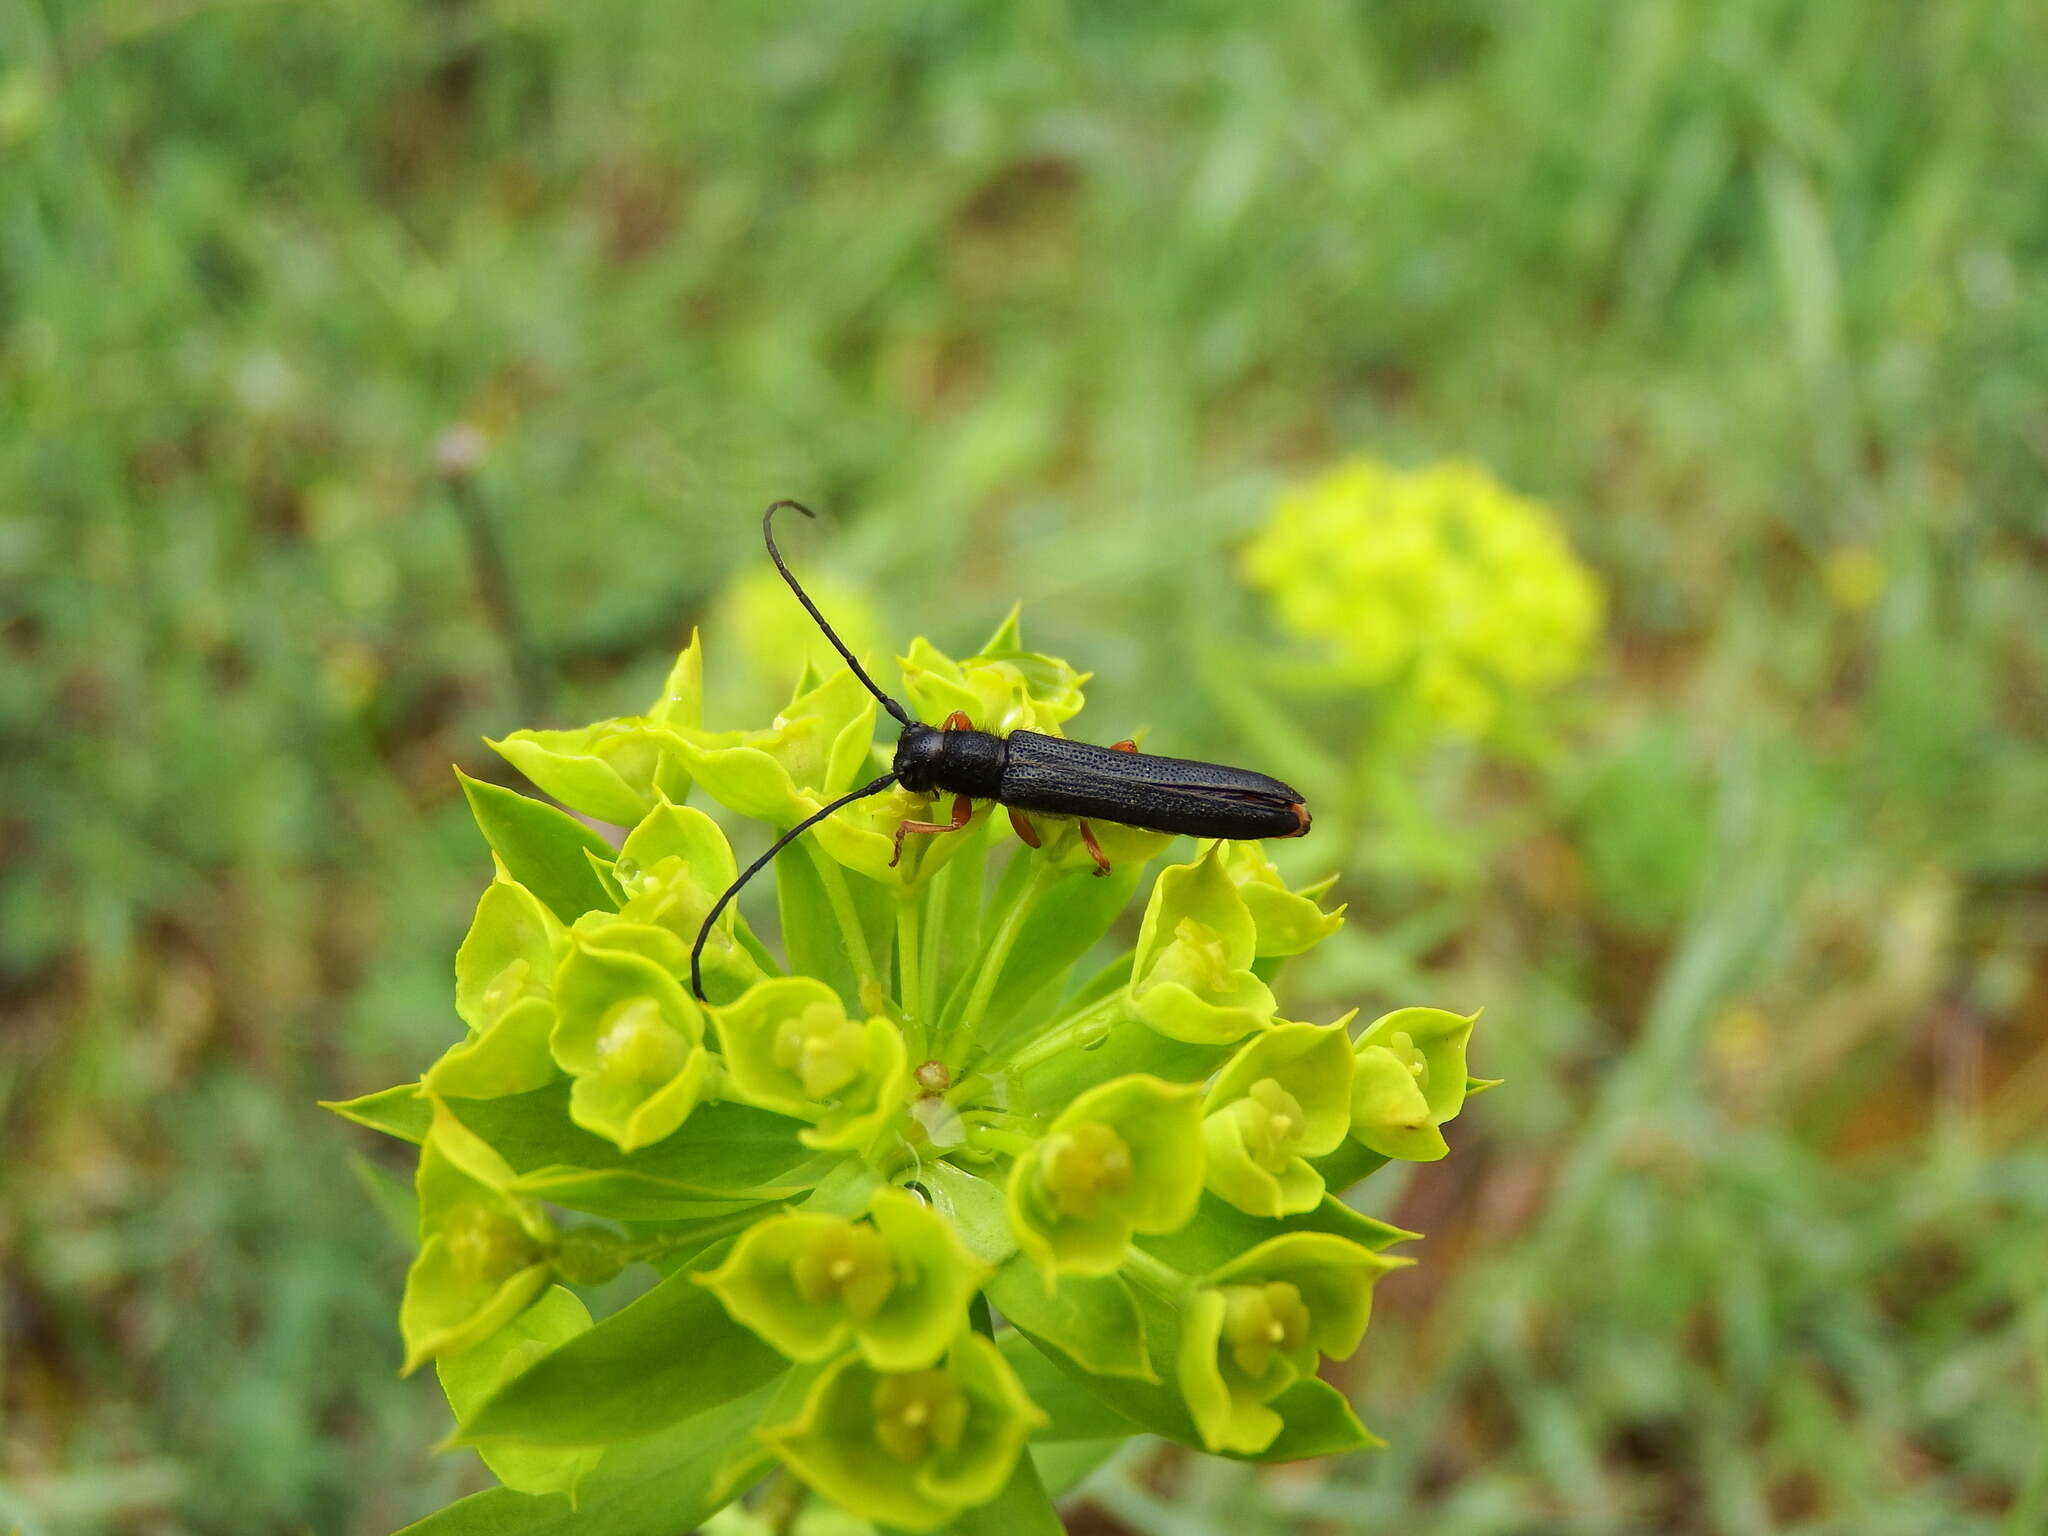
(768,532)
(753,869)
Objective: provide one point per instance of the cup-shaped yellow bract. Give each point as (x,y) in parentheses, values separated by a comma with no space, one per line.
(1002,689)
(504,990)
(1125,1157)
(910,1449)
(1409,1079)
(1285,922)
(616,770)
(510,1056)
(863,837)
(628,1033)
(1191,976)
(790,1047)
(1438,582)
(671,868)
(895,1286)
(815,749)
(1259,1323)
(483,1259)
(1284,1098)
(613,770)
(510,953)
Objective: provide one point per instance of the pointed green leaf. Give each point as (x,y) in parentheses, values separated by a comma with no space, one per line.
(975,1208)
(1066,1466)
(402,1111)
(722,1149)
(657,1486)
(543,848)
(472,1376)
(1220,1232)
(1073,1413)
(1023,1508)
(666,1357)
(1090,1317)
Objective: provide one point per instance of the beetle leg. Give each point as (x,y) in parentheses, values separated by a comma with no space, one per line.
(1094,850)
(962,810)
(1126,745)
(1027,834)
(957,721)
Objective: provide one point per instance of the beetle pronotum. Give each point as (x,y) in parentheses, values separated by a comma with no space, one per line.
(1029,772)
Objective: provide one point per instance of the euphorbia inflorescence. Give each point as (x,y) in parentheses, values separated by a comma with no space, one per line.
(951,1175)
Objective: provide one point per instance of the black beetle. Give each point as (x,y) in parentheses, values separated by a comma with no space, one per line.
(1028,771)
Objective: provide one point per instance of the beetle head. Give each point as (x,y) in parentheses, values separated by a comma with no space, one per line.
(917,757)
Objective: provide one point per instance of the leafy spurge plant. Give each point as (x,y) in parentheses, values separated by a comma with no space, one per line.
(948,1179)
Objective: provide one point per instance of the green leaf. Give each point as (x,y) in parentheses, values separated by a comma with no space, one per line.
(953,913)
(624,1195)
(974,1206)
(392,1196)
(657,1486)
(543,848)
(471,1377)
(402,1112)
(1023,1508)
(666,1357)
(1316,1420)
(811,932)
(1064,1467)
(1063,926)
(1073,1412)
(722,1149)
(1129,1047)
(1090,1317)
(1220,1232)
(1148,1405)
(1350,1163)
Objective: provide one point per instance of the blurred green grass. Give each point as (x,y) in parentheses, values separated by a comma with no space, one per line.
(1043,303)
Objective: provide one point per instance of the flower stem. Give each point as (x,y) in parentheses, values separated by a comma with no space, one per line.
(997,954)
(1074,1031)
(846,915)
(910,960)
(698,1233)
(1156,1275)
(989,1138)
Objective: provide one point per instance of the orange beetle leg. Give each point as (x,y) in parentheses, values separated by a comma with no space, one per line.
(1027,834)
(962,810)
(957,721)
(1094,850)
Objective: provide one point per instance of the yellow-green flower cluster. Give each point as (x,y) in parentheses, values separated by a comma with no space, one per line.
(848,1160)
(1437,584)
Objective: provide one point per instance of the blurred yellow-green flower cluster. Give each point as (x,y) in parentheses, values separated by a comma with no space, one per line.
(1439,586)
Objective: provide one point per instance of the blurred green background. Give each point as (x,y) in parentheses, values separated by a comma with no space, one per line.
(1044,302)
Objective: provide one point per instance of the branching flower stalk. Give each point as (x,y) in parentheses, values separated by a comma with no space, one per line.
(946,1153)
